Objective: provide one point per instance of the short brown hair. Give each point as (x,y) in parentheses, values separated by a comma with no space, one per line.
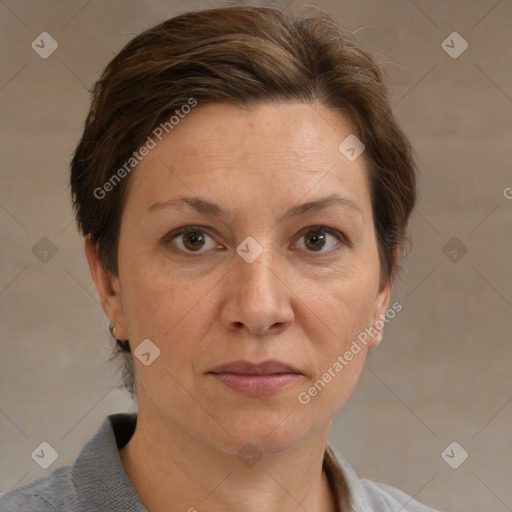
(245,56)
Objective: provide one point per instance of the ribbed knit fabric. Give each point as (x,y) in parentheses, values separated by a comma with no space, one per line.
(97,482)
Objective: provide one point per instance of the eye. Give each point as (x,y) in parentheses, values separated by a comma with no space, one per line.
(319,238)
(194,239)
(190,239)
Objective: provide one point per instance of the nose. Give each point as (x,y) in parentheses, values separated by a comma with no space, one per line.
(258,297)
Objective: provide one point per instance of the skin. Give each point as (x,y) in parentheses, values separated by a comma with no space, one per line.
(209,308)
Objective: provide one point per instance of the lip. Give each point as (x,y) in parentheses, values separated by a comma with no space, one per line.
(252,379)
(264,368)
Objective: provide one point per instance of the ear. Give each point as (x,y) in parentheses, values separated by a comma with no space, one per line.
(108,290)
(382,303)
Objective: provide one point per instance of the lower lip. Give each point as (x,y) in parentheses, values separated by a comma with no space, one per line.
(256,385)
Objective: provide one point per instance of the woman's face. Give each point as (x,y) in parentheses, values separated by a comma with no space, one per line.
(260,282)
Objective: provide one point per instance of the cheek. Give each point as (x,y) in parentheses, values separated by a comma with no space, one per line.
(332,315)
(341,309)
(162,305)
(344,306)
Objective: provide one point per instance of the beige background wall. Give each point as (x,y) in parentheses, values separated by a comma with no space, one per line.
(442,373)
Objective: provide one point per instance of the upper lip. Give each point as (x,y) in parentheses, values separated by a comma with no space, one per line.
(248,368)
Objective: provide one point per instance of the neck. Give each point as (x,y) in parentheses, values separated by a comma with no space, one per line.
(172,471)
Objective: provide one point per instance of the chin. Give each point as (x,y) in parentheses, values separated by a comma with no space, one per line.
(270,431)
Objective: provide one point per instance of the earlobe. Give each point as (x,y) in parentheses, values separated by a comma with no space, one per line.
(104,281)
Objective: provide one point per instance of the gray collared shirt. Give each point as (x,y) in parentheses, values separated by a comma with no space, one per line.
(97,482)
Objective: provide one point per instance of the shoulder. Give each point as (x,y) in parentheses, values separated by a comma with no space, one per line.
(95,481)
(39,495)
(386,498)
(33,496)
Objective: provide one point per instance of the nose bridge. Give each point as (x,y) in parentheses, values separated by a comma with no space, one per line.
(258,299)
(256,275)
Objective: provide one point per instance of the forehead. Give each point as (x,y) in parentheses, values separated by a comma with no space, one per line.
(268,149)
(286,129)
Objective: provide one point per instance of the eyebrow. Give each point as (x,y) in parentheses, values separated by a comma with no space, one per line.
(204,206)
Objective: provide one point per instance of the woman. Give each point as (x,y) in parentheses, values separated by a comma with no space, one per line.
(243,190)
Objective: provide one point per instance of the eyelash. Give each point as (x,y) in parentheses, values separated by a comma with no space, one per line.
(310,230)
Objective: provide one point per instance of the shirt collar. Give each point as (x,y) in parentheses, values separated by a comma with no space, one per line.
(102,483)
(99,476)
(350,493)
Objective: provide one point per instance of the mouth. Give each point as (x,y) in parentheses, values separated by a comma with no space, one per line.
(256,379)
(264,368)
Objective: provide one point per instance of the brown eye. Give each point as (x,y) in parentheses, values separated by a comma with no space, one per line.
(316,240)
(322,240)
(193,240)
(190,239)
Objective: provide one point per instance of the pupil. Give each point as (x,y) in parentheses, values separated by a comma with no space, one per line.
(317,238)
(194,237)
